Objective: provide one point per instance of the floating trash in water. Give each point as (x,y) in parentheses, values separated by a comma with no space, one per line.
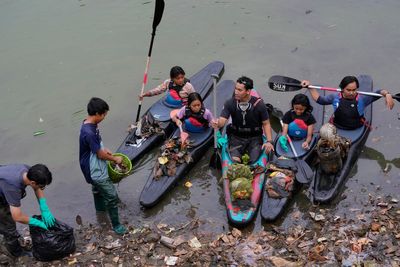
(37,133)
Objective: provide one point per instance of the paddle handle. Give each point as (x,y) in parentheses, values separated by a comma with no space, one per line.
(340,90)
(144,80)
(327,89)
(215,78)
(158,12)
(287,84)
(180,128)
(292,146)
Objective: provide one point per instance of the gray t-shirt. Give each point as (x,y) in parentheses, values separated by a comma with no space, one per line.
(12,187)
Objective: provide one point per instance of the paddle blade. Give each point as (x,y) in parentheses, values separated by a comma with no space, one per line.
(215,161)
(184,137)
(396,96)
(304,172)
(274,111)
(284,84)
(158,12)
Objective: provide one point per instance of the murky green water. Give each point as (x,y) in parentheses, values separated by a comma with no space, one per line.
(55,55)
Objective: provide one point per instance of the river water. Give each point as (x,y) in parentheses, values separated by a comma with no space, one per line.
(55,55)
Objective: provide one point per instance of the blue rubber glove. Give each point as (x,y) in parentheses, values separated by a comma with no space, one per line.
(37,223)
(283,142)
(220,140)
(47,217)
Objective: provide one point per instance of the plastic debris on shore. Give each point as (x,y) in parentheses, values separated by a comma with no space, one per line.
(367,236)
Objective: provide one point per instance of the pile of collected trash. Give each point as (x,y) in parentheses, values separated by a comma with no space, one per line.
(241,178)
(146,127)
(120,168)
(280,178)
(172,154)
(331,149)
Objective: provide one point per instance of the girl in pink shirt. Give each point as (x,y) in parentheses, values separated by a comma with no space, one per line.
(195,117)
(178,88)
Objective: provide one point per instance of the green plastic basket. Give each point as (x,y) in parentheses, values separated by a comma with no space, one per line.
(117,176)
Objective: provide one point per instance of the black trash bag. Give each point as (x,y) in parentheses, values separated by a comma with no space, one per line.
(54,244)
(288,164)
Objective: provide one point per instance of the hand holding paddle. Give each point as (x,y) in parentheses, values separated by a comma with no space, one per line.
(184,135)
(287,84)
(384,93)
(215,161)
(304,173)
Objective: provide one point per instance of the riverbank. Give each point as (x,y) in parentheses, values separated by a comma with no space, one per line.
(370,238)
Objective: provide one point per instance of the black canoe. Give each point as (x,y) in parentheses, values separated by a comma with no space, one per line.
(135,147)
(155,189)
(272,208)
(325,187)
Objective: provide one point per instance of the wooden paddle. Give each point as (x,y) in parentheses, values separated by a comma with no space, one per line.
(158,12)
(304,172)
(215,161)
(287,84)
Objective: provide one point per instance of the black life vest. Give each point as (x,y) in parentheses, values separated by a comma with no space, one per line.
(346,115)
(199,116)
(175,87)
(245,121)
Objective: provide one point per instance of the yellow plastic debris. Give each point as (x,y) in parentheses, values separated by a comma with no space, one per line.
(163,160)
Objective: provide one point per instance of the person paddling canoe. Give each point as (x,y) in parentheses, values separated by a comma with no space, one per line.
(249,120)
(178,88)
(348,105)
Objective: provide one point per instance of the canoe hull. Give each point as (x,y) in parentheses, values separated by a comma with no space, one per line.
(135,147)
(155,189)
(273,208)
(326,187)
